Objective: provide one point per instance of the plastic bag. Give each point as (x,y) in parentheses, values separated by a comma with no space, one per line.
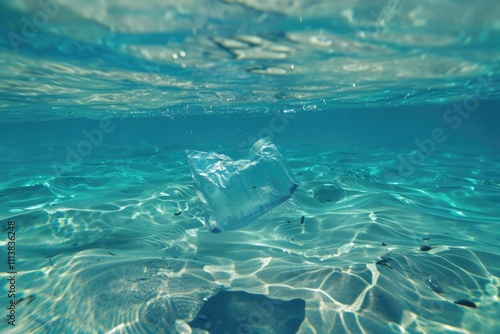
(235,193)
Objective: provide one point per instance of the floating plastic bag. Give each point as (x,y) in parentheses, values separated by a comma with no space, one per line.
(235,193)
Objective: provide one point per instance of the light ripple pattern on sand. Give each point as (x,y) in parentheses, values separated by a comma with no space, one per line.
(126,260)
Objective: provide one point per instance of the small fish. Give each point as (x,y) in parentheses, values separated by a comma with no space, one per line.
(466,302)
(384,262)
(302,219)
(177,213)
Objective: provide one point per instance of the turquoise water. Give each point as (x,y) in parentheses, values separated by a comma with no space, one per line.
(385,111)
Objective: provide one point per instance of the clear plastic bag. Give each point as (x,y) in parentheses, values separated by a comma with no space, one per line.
(236,192)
